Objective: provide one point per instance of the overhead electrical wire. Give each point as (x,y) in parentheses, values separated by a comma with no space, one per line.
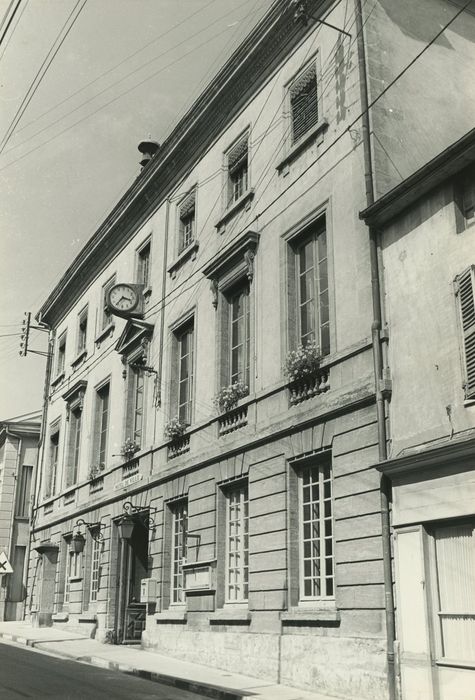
(25,4)
(2,37)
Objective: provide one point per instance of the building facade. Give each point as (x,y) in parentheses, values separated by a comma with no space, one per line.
(208,484)
(426,231)
(19,438)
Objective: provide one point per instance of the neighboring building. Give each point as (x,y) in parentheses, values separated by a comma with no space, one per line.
(19,438)
(246,535)
(426,231)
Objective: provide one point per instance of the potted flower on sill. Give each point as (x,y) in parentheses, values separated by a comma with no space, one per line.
(302,368)
(129,448)
(175,429)
(95,470)
(228,397)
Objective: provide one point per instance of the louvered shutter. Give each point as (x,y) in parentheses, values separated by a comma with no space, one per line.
(466,294)
(303,103)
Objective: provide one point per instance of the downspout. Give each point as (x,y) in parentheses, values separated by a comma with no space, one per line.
(162,316)
(377,358)
(40,456)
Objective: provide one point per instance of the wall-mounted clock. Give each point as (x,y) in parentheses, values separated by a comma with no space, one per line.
(126,299)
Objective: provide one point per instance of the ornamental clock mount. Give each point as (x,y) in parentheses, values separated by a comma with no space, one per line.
(126,300)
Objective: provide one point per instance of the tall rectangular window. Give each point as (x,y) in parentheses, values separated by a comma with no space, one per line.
(82,331)
(95,570)
(101,425)
(239,335)
(455,596)
(179,529)
(304,103)
(24,492)
(61,355)
(106,312)
(73,571)
(237,544)
(316,563)
(309,287)
(238,170)
(137,405)
(187,216)
(75,420)
(143,272)
(185,339)
(465,289)
(53,463)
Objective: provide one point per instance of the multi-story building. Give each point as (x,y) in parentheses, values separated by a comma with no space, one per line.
(18,458)
(207,484)
(426,231)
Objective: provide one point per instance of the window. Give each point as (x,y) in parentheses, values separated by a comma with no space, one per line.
(61,355)
(316,561)
(135,417)
(185,341)
(101,426)
(143,260)
(304,103)
(73,570)
(187,218)
(95,570)
(465,290)
(239,335)
(106,313)
(82,331)
(237,170)
(75,420)
(53,463)
(237,544)
(308,288)
(24,492)
(455,597)
(179,530)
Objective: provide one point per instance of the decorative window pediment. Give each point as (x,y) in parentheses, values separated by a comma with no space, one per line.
(74,396)
(136,334)
(232,263)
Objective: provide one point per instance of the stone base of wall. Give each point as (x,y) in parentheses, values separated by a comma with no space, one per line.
(86,628)
(344,667)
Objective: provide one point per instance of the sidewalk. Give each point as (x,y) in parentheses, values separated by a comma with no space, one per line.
(204,680)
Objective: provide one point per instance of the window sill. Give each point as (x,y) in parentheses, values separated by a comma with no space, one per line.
(455,663)
(298,147)
(75,579)
(188,252)
(60,617)
(77,360)
(303,616)
(243,202)
(57,380)
(231,616)
(22,518)
(171,616)
(107,331)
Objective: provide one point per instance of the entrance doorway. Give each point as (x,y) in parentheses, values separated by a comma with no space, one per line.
(133,567)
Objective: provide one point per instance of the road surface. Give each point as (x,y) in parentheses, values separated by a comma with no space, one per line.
(25,673)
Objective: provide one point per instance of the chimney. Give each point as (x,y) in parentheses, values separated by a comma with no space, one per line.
(148,148)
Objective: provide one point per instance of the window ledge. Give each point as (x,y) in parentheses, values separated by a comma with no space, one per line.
(60,617)
(87,617)
(58,379)
(188,252)
(455,663)
(82,355)
(230,615)
(233,209)
(170,616)
(108,330)
(298,147)
(311,617)
(75,579)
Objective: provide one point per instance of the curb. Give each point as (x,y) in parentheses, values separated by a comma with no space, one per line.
(211,691)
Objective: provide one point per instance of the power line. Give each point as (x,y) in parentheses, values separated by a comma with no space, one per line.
(14,29)
(10,20)
(42,72)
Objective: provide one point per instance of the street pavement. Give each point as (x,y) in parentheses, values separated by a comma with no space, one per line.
(25,673)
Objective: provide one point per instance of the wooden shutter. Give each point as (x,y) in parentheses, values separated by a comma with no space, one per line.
(466,294)
(303,103)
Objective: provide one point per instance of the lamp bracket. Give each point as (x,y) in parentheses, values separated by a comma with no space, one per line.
(95,529)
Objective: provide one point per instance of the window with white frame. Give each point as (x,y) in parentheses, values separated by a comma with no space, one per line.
(61,355)
(187,221)
(101,425)
(106,319)
(95,569)
(239,334)
(143,264)
(303,98)
(237,161)
(82,331)
(185,350)
(237,543)
(136,404)
(74,451)
(309,288)
(316,558)
(455,594)
(179,512)
(73,571)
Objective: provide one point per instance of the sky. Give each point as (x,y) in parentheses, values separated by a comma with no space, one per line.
(127,69)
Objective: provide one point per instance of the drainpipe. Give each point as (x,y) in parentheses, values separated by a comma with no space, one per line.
(162,317)
(40,455)
(377,358)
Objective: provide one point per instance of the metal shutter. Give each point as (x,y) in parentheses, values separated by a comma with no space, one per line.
(303,103)
(466,294)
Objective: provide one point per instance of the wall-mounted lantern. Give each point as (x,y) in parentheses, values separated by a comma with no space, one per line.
(126,527)
(77,543)
(78,540)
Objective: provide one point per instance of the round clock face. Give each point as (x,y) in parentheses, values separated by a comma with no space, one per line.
(123,297)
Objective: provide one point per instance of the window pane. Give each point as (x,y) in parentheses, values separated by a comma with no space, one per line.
(237,544)
(179,529)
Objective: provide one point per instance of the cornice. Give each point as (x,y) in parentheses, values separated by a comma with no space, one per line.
(244,73)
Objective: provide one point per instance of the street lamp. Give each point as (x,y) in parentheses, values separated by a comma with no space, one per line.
(77,543)
(126,527)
